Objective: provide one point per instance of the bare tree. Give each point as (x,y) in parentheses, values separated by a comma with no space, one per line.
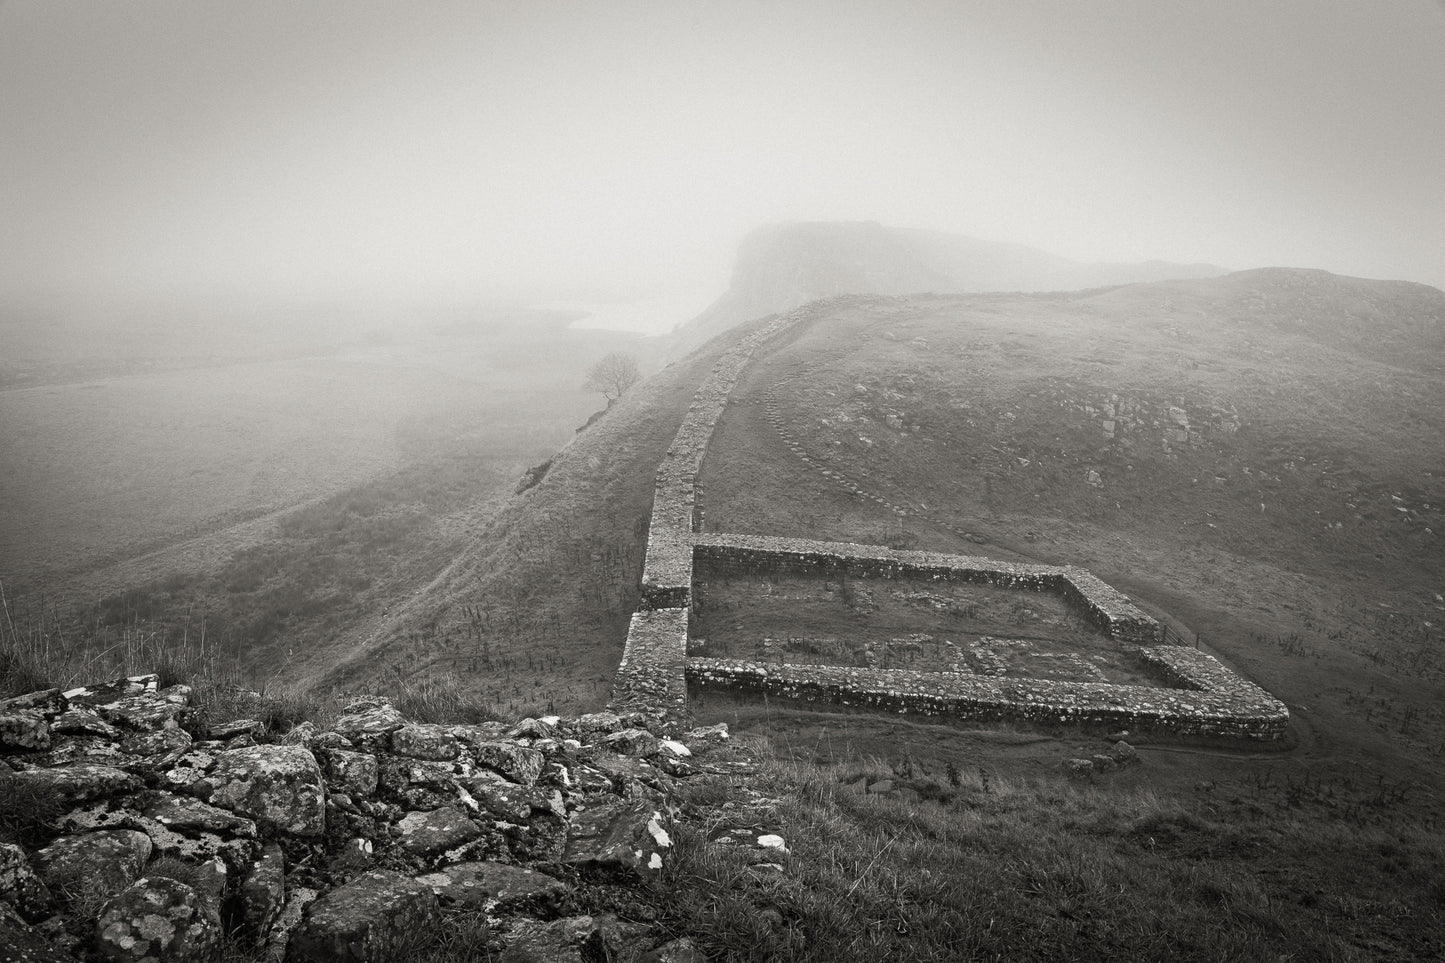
(612,376)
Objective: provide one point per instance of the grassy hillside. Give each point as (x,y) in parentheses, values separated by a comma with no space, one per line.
(535,610)
(972,862)
(1255,459)
(1275,491)
(274,514)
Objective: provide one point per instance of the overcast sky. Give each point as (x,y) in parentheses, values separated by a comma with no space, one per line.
(308,149)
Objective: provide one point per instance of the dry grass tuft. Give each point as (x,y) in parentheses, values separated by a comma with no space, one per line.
(26,809)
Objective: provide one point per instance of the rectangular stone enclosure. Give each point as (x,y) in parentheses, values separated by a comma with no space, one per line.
(1197,695)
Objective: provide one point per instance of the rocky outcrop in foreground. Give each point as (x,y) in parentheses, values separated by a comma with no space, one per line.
(131,831)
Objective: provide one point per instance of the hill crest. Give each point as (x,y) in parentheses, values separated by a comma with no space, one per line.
(783,266)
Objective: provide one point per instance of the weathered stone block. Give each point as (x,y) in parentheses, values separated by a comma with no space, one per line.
(20,886)
(24,729)
(80,782)
(262,894)
(560,941)
(518,763)
(495,885)
(371,723)
(349,771)
(278,786)
(24,944)
(625,838)
(158,919)
(184,813)
(425,742)
(48,701)
(155,746)
(83,722)
(632,742)
(236,727)
(101,863)
(595,722)
(431,834)
(371,919)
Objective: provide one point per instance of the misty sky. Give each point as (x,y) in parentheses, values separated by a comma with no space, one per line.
(308,149)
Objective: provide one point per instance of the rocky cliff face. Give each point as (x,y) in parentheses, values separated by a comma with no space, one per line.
(132,830)
(783,266)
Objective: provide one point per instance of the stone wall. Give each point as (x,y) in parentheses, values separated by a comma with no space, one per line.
(143,828)
(650,676)
(1108,608)
(653,654)
(667,572)
(1217,702)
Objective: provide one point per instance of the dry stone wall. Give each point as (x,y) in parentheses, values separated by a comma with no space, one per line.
(140,827)
(654,672)
(1228,707)
(650,677)
(650,673)
(667,572)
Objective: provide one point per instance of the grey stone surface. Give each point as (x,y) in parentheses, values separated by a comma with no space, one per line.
(20,886)
(99,863)
(20,943)
(79,782)
(24,729)
(485,883)
(371,723)
(350,771)
(435,832)
(520,764)
(425,741)
(561,941)
(184,813)
(158,919)
(369,920)
(616,837)
(278,786)
(262,894)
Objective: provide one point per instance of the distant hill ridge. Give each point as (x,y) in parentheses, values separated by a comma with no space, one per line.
(782,266)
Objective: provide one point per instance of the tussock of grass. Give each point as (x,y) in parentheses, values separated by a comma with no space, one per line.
(26,809)
(278,707)
(442,699)
(18,675)
(460,937)
(40,649)
(169,867)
